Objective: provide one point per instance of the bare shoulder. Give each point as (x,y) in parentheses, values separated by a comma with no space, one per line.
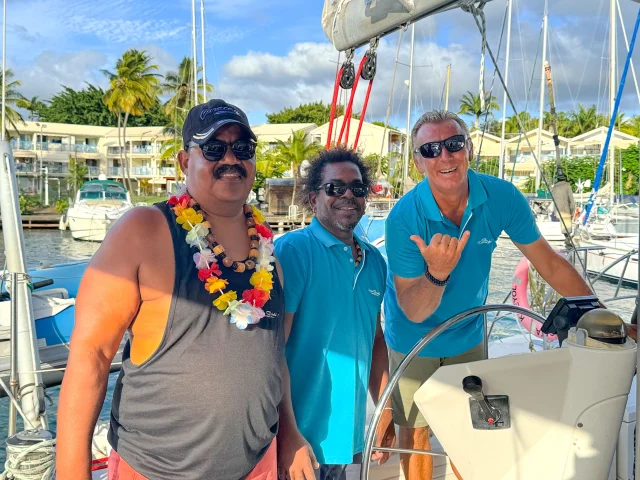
(134,236)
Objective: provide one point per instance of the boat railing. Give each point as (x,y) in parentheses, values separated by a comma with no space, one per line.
(422,343)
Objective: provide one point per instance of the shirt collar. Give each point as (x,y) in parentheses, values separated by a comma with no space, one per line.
(477,196)
(328,239)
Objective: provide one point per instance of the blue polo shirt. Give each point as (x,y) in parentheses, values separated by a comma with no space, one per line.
(336,307)
(493,206)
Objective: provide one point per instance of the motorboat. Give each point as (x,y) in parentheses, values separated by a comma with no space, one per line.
(97,206)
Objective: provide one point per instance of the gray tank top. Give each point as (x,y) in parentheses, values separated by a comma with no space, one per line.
(204,406)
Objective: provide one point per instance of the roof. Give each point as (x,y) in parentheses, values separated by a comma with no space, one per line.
(603,131)
(479,133)
(545,133)
(103,183)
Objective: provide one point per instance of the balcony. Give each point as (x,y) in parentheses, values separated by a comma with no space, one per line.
(117,171)
(57,168)
(25,167)
(21,144)
(135,150)
(93,171)
(167,171)
(85,148)
(142,171)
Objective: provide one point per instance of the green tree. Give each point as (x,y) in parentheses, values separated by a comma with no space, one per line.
(584,120)
(511,124)
(293,152)
(268,165)
(471,104)
(381,124)
(33,106)
(78,107)
(154,117)
(631,126)
(12,96)
(77,172)
(316,112)
(133,90)
(179,85)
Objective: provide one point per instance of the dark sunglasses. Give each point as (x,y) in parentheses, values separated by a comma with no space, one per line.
(434,149)
(338,189)
(215,150)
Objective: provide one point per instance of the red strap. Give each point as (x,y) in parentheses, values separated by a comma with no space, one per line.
(334,103)
(364,110)
(347,113)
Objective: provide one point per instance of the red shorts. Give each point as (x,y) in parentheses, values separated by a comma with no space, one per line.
(266,469)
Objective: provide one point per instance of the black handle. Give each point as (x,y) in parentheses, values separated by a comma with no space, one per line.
(472,385)
(42,283)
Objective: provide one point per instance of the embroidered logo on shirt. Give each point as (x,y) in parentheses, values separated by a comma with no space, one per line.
(374,292)
(485,241)
(269,314)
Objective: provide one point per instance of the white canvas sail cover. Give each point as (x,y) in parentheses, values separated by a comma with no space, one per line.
(352,23)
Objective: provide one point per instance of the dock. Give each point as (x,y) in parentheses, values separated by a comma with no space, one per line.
(46,220)
(283,223)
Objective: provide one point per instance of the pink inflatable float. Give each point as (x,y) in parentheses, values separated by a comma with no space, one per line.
(520,298)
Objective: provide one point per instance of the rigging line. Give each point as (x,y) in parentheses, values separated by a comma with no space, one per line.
(493,78)
(542,175)
(523,55)
(626,41)
(593,37)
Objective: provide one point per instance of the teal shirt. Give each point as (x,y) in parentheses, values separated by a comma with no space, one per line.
(493,206)
(336,306)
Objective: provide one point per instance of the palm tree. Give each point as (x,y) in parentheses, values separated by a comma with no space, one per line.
(584,120)
(13,97)
(294,151)
(133,89)
(173,144)
(631,126)
(33,106)
(471,104)
(180,85)
(511,124)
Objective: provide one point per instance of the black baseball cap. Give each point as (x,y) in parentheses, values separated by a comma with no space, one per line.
(204,120)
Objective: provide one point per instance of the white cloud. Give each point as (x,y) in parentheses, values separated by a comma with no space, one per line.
(45,76)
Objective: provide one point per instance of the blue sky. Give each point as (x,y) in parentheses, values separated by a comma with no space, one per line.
(265,55)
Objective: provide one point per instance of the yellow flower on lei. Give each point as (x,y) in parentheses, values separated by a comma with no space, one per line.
(214,284)
(223,301)
(262,280)
(189,217)
(257,214)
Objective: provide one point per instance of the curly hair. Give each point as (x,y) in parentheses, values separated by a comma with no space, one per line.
(325,157)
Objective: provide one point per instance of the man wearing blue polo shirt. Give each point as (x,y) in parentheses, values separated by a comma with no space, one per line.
(336,351)
(440,237)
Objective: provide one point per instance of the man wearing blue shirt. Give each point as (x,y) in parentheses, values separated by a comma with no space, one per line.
(335,282)
(440,238)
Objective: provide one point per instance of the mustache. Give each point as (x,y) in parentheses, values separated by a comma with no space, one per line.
(352,202)
(226,168)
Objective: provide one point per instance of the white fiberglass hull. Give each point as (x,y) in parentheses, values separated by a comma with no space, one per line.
(615,248)
(92,224)
(551,231)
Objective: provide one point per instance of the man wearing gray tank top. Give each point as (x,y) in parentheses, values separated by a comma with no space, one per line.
(195,283)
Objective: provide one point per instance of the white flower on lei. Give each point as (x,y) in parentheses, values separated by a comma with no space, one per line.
(179,189)
(244,315)
(196,235)
(204,259)
(265,255)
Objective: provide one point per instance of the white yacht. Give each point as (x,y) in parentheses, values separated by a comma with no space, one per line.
(97,206)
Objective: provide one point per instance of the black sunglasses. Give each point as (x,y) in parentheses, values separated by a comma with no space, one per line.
(338,189)
(434,149)
(215,150)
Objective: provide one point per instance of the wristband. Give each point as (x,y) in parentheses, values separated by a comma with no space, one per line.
(435,281)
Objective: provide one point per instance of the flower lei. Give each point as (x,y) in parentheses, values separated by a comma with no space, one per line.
(247,310)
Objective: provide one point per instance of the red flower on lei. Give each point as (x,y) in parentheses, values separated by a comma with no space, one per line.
(255,297)
(205,273)
(264,231)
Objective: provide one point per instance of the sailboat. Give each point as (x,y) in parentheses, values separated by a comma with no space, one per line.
(471,404)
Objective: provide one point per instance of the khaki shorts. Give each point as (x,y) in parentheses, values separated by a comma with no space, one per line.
(405,411)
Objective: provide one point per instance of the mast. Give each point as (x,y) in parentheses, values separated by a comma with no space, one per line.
(446,95)
(386,118)
(612,92)
(195,52)
(4,65)
(554,115)
(204,63)
(407,153)
(540,120)
(504,95)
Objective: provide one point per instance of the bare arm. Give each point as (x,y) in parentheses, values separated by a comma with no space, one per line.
(379,376)
(419,297)
(107,302)
(555,270)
